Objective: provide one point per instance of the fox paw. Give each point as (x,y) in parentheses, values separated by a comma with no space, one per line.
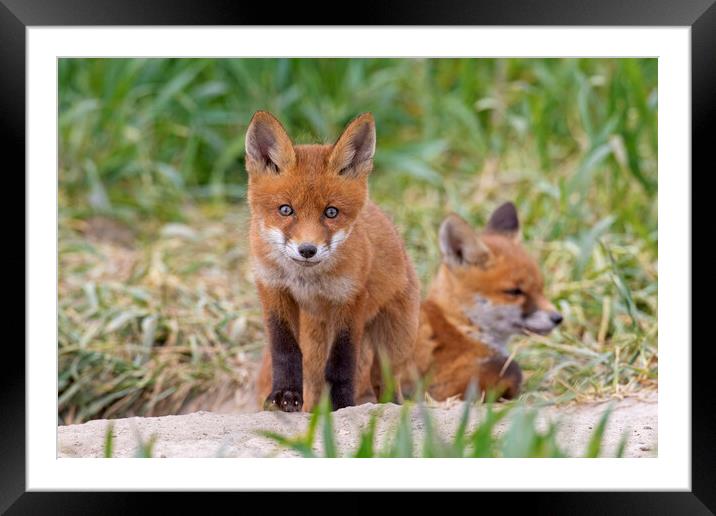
(286,401)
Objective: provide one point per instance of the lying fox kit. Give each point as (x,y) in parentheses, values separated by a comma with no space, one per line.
(487,289)
(332,274)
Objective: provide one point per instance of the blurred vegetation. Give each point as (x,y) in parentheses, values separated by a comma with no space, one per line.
(521,437)
(473,437)
(157,306)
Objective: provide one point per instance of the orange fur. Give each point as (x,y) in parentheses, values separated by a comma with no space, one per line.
(366,284)
(451,351)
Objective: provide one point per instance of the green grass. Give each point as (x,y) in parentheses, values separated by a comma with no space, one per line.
(157,305)
(144,450)
(521,436)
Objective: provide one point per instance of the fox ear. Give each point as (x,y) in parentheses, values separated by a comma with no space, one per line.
(268,147)
(504,220)
(352,154)
(459,243)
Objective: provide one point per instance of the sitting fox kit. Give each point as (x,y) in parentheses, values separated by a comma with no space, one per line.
(331,271)
(487,289)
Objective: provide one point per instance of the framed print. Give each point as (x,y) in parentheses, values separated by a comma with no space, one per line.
(425,249)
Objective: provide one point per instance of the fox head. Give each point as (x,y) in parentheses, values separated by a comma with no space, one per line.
(305,198)
(491,280)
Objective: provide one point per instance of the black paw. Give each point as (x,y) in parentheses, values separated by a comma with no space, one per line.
(287,401)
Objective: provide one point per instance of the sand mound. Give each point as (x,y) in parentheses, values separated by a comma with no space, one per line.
(208,434)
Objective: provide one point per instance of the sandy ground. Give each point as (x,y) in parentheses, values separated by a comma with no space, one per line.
(211,434)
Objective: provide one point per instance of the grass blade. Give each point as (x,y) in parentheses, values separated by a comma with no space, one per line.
(595,441)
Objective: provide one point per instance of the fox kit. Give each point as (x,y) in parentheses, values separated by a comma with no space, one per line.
(486,290)
(332,274)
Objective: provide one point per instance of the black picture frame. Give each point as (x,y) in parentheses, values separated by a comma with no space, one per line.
(17,15)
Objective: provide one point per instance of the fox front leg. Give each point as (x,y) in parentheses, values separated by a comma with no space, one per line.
(341,369)
(287,383)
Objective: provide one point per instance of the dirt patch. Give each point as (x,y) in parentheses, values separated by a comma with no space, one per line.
(209,434)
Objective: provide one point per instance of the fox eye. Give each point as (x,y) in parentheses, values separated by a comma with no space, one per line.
(285,210)
(331,212)
(514,292)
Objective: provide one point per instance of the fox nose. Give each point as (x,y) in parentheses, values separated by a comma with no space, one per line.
(556,317)
(307,250)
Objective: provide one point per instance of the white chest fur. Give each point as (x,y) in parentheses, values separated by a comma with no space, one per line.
(308,287)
